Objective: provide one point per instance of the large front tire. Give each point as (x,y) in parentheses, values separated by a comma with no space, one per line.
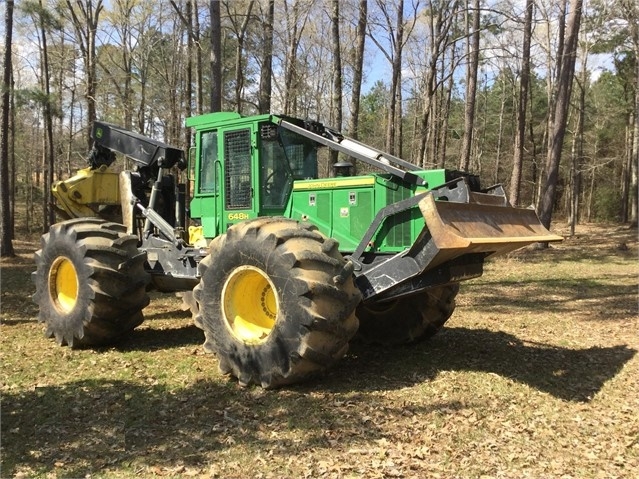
(90,282)
(276,304)
(406,320)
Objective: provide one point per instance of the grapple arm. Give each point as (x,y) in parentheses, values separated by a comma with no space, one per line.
(143,150)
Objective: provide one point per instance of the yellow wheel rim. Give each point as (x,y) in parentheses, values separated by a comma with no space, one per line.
(63,284)
(249,304)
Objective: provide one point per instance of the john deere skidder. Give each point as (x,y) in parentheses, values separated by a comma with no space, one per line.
(279,267)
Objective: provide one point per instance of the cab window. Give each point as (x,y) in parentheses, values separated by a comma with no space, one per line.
(208,148)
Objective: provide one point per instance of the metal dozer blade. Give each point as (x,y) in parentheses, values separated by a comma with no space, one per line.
(476,227)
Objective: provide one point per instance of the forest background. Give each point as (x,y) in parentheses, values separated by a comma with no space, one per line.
(540,95)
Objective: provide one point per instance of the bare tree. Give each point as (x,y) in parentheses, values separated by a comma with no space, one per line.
(192,24)
(577,153)
(520,136)
(122,17)
(440,22)
(266,73)
(471,84)
(296,16)
(239,29)
(394,27)
(216,56)
(6,245)
(85,16)
(45,22)
(48,213)
(188,104)
(398,32)
(358,69)
(444,111)
(199,101)
(567,57)
(336,98)
(631,13)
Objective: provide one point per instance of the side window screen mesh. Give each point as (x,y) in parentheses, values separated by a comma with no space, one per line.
(296,159)
(237,177)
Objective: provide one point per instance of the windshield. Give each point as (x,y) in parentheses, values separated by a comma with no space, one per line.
(284,157)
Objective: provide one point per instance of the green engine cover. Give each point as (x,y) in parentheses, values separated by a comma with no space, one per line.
(344,209)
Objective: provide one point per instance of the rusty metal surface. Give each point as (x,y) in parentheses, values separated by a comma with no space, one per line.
(460,228)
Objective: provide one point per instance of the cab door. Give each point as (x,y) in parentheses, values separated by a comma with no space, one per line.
(208,173)
(238,175)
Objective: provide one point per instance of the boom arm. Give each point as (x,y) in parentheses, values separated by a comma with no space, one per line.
(143,150)
(357,150)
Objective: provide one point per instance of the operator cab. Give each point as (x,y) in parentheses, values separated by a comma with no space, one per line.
(244,168)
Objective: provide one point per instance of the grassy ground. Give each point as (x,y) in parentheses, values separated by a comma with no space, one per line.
(536,375)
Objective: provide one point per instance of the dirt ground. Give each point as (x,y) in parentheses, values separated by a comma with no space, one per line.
(535,375)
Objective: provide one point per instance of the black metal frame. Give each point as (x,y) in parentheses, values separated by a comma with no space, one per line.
(406,272)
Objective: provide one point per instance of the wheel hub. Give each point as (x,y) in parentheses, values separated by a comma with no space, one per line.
(249,304)
(63,284)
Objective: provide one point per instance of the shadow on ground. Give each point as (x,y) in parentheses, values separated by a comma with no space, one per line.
(88,426)
(567,374)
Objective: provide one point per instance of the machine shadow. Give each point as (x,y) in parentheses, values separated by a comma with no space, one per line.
(93,425)
(567,374)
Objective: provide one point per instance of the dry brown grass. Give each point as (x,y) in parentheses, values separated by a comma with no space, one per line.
(535,376)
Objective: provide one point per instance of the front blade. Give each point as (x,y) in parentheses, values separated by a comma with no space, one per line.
(461,228)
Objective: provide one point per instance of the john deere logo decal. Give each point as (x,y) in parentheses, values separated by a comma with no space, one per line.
(98,133)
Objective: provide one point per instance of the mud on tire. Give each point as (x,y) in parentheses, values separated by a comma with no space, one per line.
(275,302)
(408,319)
(90,282)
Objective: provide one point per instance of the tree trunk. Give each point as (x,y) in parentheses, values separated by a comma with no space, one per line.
(336,100)
(634,159)
(443,142)
(295,24)
(216,56)
(552,81)
(500,131)
(564,86)
(439,26)
(290,63)
(188,104)
(49,153)
(6,245)
(71,126)
(358,72)
(240,36)
(266,74)
(471,88)
(12,155)
(396,72)
(520,135)
(199,102)
(86,25)
(578,147)
(358,67)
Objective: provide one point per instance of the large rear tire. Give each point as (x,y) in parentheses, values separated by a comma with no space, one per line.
(276,304)
(406,320)
(90,282)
